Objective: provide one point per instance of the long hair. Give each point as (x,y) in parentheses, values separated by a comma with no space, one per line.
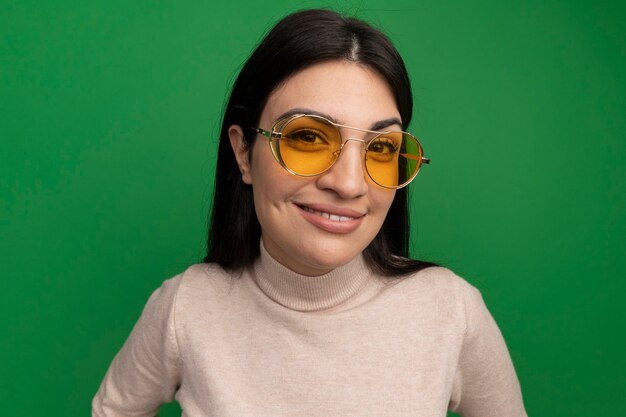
(298,41)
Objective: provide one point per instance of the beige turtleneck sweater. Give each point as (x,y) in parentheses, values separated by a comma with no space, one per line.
(269,342)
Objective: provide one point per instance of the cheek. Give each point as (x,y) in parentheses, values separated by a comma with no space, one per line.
(381,199)
(262,167)
(263,182)
(271,184)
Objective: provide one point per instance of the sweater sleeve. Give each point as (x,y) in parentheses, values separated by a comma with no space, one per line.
(146,371)
(485,381)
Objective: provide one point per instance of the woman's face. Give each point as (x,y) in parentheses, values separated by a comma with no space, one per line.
(315,224)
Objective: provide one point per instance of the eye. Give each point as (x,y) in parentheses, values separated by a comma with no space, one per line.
(305,140)
(382,150)
(383,146)
(308,136)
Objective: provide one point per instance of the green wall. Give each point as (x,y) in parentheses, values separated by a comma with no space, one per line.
(109,113)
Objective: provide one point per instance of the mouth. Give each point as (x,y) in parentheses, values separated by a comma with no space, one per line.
(329,216)
(337,220)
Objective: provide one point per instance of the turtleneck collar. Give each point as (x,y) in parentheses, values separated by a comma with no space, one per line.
(304,293)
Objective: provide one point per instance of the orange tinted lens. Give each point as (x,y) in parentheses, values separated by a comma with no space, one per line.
(309,145)
(393,159)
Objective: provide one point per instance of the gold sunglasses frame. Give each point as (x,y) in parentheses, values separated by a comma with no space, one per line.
(276,133)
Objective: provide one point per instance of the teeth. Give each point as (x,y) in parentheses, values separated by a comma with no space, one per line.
(329,216)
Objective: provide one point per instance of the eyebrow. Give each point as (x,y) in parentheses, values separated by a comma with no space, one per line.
(379,125)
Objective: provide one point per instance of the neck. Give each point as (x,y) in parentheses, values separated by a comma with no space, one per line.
(310,293)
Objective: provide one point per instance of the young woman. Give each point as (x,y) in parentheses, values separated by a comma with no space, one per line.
(308,304)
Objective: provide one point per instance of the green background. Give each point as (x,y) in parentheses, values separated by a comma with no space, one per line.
(109,114)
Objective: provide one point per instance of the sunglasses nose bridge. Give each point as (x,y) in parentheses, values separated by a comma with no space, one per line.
(345,141)
(348,133)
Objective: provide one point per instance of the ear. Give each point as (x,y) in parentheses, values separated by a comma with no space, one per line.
(242,154)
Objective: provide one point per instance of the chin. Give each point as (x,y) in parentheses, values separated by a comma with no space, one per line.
(329,259)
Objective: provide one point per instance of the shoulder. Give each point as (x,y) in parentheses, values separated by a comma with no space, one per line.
(203,289)
(198,281)
(435,282)
(438,292)
(205,277)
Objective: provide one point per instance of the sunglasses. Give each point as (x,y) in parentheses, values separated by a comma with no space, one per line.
(308,145)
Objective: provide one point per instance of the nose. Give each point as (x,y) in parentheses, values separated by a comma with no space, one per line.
(347,176)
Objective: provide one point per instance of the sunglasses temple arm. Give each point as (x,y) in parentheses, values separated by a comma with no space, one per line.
(261,131)
(267,133)
(416,158)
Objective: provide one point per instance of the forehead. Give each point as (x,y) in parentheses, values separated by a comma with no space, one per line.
(352,94)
